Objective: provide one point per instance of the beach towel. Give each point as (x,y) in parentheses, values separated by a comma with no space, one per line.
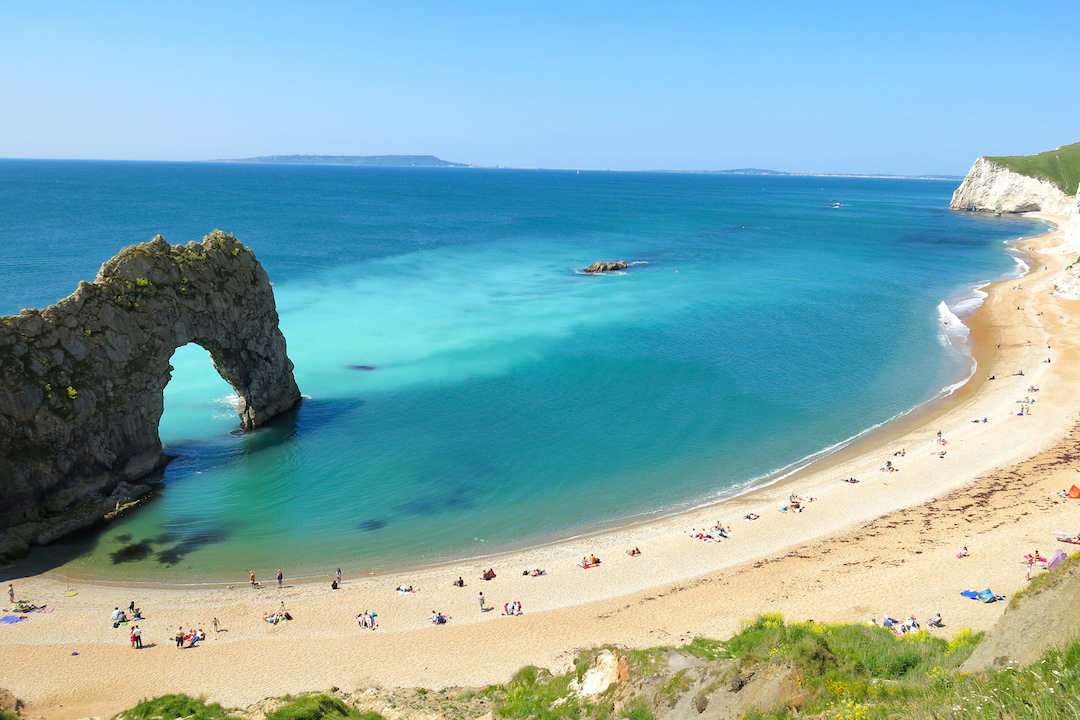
(973,594)
(987,596)
(1074,492)
(585,566)
(1058,558)
(11,619)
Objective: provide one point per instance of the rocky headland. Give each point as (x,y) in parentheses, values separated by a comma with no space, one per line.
(992,186)
(82,381)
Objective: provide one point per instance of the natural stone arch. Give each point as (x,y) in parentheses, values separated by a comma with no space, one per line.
(82,381)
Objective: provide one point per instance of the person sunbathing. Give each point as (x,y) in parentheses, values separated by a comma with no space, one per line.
(593,560)
(935,621)
(537,572)
(752,516)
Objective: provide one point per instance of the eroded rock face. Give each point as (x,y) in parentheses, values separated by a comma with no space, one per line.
(81,381)
(601,267)
(994,188)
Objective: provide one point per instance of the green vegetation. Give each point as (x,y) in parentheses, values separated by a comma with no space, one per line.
(318,707)
(1061,166)
(170,707)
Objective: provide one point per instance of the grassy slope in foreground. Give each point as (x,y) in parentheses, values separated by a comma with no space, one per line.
(1061,166)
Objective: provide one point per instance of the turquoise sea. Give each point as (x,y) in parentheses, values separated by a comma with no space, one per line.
(468,389)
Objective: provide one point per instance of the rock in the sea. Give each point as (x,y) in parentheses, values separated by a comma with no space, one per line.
(81,381)
(602,267)
(992,187)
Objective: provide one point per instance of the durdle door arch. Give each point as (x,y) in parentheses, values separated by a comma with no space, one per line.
(82,381)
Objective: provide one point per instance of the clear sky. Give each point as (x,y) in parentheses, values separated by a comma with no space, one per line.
(894,87)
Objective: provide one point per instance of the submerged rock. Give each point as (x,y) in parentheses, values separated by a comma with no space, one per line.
(81,381)
(602,267)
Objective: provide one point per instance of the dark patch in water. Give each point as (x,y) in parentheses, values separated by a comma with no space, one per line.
(132,553)
(361,367)
(165,538)
(372,525)
(433,504)
(193,542)
(123,538)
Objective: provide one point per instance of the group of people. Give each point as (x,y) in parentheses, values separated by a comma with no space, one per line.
(795,502)
(489,574)
(713,534)
(910,625)
(589,561)
(118,616)
(512,608)
(188,639)
(367,619)
(437,618)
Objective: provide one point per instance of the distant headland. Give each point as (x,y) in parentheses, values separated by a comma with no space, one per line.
(383,160)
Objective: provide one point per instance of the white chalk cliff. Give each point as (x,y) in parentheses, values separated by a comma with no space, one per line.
(1069,287)
(995,188)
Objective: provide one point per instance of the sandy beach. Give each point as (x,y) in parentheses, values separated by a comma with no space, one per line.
(888,543)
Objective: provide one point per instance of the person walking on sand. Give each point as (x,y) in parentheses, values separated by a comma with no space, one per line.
(215,624)
(180,637)
(11,593)
(137,634)
(252,578)
(481,599)
(339,577)
(279,577)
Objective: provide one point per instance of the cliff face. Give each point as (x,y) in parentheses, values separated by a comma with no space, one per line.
(994,188)
(81,381)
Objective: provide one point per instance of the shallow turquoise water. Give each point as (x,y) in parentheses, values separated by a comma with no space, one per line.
(511,399)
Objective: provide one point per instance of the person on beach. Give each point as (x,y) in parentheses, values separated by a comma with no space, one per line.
(481,599)
(180,637)
(338,577)
(252,578)
(137,634)
(279,578)
(11,593)
(935,621)
(459,582)
(214,625)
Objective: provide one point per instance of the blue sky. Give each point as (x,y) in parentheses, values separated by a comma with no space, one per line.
(911,87)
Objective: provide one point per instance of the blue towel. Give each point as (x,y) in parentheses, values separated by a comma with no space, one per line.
(11,619)
(973,594)
(987,596)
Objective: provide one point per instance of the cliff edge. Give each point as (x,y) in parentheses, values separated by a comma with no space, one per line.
(993,187)
(81,382)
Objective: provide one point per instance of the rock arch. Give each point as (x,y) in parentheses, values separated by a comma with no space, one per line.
(81,382)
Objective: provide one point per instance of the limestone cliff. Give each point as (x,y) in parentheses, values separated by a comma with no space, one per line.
(81,381)
(994,188)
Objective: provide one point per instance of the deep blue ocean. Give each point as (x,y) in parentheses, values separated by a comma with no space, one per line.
(510,399)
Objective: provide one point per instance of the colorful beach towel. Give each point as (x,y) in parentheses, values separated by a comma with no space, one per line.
(11,619)
(585,566)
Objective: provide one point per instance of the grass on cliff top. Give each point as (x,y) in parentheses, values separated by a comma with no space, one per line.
(1061,166)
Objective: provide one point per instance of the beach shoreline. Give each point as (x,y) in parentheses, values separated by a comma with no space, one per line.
(867,440)
(678,588)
